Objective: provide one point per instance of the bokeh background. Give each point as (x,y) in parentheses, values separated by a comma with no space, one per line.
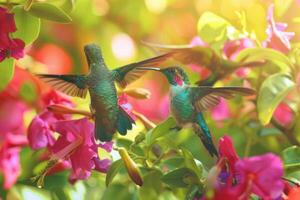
(120,27)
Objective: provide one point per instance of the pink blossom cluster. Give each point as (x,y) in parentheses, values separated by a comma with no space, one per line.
(75,145)
(235,178)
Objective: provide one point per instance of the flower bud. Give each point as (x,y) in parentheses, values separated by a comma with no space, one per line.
(131,167)
(138,93)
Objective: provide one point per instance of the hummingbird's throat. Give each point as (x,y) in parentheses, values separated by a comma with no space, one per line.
(178,80)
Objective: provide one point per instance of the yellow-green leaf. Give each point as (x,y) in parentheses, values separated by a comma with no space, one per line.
(113,170)
(272,92)
(50,12)
(6,72)
(212,28)
(255,54)
(28,26)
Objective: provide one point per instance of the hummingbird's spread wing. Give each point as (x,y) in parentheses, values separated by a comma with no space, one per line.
(127,74)
(206,97)
(73,85)
(188,54)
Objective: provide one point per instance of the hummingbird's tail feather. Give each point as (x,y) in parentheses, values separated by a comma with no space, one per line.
(124,122)
(101,132)
(203,132)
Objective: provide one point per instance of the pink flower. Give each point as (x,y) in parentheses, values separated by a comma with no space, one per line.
(76,143)
(7,22)
(9,47)
(221,111)
(39,130)
(233,47)
(12,138)
(239,178)
(53,97)
(9,158)
(12,48)
(284,114)
(261,175)
(11,116)
(277,37)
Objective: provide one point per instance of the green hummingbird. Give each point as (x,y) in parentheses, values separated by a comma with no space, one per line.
(188,102)
(100,82)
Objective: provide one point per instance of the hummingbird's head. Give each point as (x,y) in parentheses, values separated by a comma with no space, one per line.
(175,75)
(93,53)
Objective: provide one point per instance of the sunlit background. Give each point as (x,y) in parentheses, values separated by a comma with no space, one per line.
(120,27)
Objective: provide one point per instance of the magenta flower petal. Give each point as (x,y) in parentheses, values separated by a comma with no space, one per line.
(226,150)
(7,22)
(263,174)
(53,97)
(284,114)
(39,132)
(77,144)
(107,146)
(102,165)
(10,165)
(17,48)
(82,162)
(11,115)
(221,111)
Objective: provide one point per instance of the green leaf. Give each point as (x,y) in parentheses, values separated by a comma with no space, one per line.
(28,92)
(119,191)
(212,28)
(181,177)
(172,163)
(66,5)
(28,26)
(49,12)
(272,92)
(255,54)
(190,163)
(152,186)
(269,132)
(160,130)
(291,158)
(6,72)
(113,170)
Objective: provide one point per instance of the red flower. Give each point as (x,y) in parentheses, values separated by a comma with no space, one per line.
(294,194)
(7,22)
(12,48)
(9,47)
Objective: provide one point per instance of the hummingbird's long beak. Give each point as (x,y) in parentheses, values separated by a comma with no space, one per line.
(149,68)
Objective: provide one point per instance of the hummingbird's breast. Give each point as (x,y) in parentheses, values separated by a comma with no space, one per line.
(181,106)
